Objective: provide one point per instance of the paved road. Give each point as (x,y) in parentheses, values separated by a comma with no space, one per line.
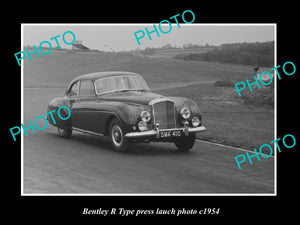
(86,164)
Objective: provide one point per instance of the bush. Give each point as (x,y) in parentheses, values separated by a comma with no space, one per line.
(263,96)
(148,51)
(224,83)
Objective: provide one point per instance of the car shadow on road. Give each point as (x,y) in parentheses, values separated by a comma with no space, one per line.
(103,144)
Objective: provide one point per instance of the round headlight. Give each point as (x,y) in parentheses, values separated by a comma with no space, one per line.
(142,125)
(185,113)
(195,121)
(145,116)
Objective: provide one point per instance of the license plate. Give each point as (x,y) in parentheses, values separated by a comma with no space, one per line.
(170,133)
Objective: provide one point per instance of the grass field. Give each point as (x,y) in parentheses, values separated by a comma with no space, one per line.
(59,68)
(228,119)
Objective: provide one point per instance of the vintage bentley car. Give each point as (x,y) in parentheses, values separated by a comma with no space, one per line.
(121,106)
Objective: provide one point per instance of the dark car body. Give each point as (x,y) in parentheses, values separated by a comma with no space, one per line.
(138,115)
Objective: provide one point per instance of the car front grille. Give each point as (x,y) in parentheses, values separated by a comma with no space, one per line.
(164,114)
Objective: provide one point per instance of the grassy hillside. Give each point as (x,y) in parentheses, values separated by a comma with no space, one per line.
(241,53)
(59,68)
(170,53)
(228,118)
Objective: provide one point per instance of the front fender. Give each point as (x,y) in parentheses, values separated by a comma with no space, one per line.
(127,113)
(181,102)
(130,113)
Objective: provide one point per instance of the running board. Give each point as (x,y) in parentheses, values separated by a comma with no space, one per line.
(86,131)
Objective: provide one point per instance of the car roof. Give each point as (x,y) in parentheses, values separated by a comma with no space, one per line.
(97,75)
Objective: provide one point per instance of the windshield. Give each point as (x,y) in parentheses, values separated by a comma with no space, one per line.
(121,83)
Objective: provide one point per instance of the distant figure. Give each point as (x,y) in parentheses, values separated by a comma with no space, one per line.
(256,68)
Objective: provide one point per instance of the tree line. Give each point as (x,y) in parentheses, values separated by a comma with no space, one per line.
(257,53)
(152,51)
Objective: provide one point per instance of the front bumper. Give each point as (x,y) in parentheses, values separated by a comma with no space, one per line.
(155,132)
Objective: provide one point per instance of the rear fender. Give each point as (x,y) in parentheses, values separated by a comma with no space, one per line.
(55,104)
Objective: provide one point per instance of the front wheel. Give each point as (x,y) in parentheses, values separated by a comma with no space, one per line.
(117,136)
(64,132)
(185,143)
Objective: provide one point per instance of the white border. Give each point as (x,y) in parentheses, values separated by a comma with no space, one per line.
(22,115)
(154,194)
(275,110)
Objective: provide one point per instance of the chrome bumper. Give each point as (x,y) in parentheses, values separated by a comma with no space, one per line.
(186,130)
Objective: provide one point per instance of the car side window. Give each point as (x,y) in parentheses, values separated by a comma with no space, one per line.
(74,89)
(86,88)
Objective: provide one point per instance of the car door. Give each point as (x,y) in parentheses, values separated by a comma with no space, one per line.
(84,107)
(87,111)
(75,103)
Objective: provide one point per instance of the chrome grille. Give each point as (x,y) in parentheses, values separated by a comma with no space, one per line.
(164,114)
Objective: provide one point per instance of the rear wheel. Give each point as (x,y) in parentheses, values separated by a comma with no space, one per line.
(117,136)
(185,143)
(64,132)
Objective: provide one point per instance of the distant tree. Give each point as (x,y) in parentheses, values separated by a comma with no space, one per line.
(167,46)
(148,51)
(189,46)
(185,46)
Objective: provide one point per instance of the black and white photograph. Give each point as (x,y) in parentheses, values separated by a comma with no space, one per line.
(149,111)
(112,116)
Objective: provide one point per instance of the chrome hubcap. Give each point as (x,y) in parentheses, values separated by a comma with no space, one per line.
(117,135)
(60,130)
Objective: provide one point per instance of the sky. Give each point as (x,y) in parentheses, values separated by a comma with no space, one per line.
(120,37)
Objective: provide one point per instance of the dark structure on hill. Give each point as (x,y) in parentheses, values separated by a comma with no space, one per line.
(78,45)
